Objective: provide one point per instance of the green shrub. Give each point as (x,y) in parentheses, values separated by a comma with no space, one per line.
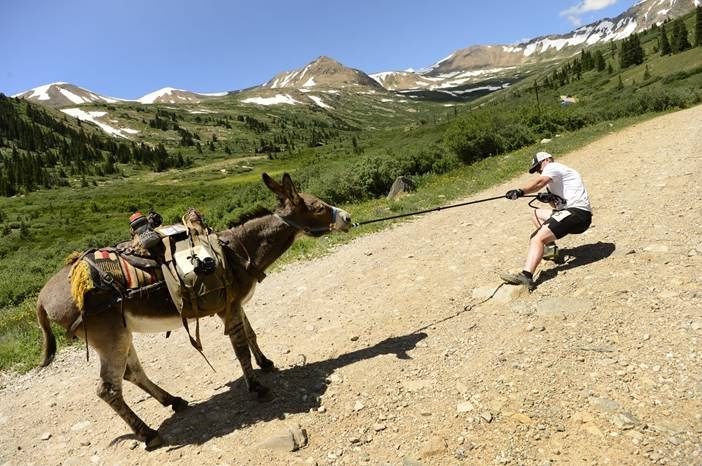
(499,129)
(515,136)
(475,136)
(371,175)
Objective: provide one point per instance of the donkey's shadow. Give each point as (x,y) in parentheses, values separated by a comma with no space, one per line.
(296,389)
(578,256)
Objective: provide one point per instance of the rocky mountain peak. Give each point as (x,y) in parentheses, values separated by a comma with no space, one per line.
(61,94)
(323,72)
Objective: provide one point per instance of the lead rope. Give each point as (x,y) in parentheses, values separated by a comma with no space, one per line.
(435,209)
(466,308)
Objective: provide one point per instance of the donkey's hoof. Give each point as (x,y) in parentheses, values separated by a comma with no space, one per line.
(267,365)
(153,440)
(179,404)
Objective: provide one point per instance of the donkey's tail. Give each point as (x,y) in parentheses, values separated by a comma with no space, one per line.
(49,345)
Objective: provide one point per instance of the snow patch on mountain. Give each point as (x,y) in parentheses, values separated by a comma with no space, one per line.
(382,76)
(480,88)
(275,100)
(172,95)
(93,118)
(459,78)
(438,63)
(284,80)
(41,92)
(71,96)
(319,101)
(151,97)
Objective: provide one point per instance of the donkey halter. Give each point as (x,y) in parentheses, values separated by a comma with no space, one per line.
(307,229)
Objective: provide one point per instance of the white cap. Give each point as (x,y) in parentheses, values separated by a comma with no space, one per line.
(538,158)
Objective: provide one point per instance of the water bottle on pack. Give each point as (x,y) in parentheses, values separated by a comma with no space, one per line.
(143,229)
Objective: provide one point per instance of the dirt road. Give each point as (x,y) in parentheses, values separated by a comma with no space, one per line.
(386,357)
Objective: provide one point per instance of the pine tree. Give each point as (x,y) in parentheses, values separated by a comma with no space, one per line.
(637,52)
(599,61)
(682,43)
(698,27)
(586,60)
(628,52)
(664,44)
(624,54)
(631,52)
(676,37)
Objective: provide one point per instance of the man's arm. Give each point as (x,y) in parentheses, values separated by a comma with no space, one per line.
(536,184)
(531,187)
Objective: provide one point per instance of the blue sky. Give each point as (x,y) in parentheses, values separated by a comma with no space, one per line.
(128,48)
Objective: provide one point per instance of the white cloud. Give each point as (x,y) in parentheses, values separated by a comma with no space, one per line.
(574,12)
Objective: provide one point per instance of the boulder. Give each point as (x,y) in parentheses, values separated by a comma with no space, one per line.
(401,185)
(291,439)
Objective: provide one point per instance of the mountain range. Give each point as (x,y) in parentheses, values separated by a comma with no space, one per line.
(452,75)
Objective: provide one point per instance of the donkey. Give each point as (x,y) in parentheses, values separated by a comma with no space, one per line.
(261,240)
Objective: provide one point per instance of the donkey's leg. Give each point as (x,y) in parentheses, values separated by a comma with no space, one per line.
(234,327)
(112,343)
(136,375)
(262,361)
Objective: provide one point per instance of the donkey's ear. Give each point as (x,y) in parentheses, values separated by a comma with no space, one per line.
(274,186)
(289,187)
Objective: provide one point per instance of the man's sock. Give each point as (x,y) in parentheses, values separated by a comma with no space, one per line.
(529,275)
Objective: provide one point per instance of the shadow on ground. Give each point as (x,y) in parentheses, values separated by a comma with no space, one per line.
(296,389)
(577,257)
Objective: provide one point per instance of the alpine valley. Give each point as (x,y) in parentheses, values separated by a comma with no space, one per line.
(75,164)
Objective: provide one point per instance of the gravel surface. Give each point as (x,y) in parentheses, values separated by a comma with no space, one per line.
(389,356)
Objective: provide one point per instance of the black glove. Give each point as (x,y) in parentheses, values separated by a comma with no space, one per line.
(513,194)
(544,197)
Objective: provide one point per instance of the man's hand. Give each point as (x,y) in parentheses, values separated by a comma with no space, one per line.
(545,197)
(513,194)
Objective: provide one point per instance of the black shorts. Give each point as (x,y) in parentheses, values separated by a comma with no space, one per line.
(567,221)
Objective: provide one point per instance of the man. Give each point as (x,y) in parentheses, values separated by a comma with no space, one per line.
(572,213)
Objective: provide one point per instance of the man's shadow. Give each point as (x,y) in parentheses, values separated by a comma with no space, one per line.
(576,257)
(296,389)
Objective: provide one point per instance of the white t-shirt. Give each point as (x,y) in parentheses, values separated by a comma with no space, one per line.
(567,183)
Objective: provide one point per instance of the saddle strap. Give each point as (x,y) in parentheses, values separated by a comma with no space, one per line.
(248,264)
(196,342)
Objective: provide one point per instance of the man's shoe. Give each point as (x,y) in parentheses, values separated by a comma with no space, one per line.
(518,279)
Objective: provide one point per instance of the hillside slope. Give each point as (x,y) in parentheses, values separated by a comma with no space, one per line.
(388,356)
